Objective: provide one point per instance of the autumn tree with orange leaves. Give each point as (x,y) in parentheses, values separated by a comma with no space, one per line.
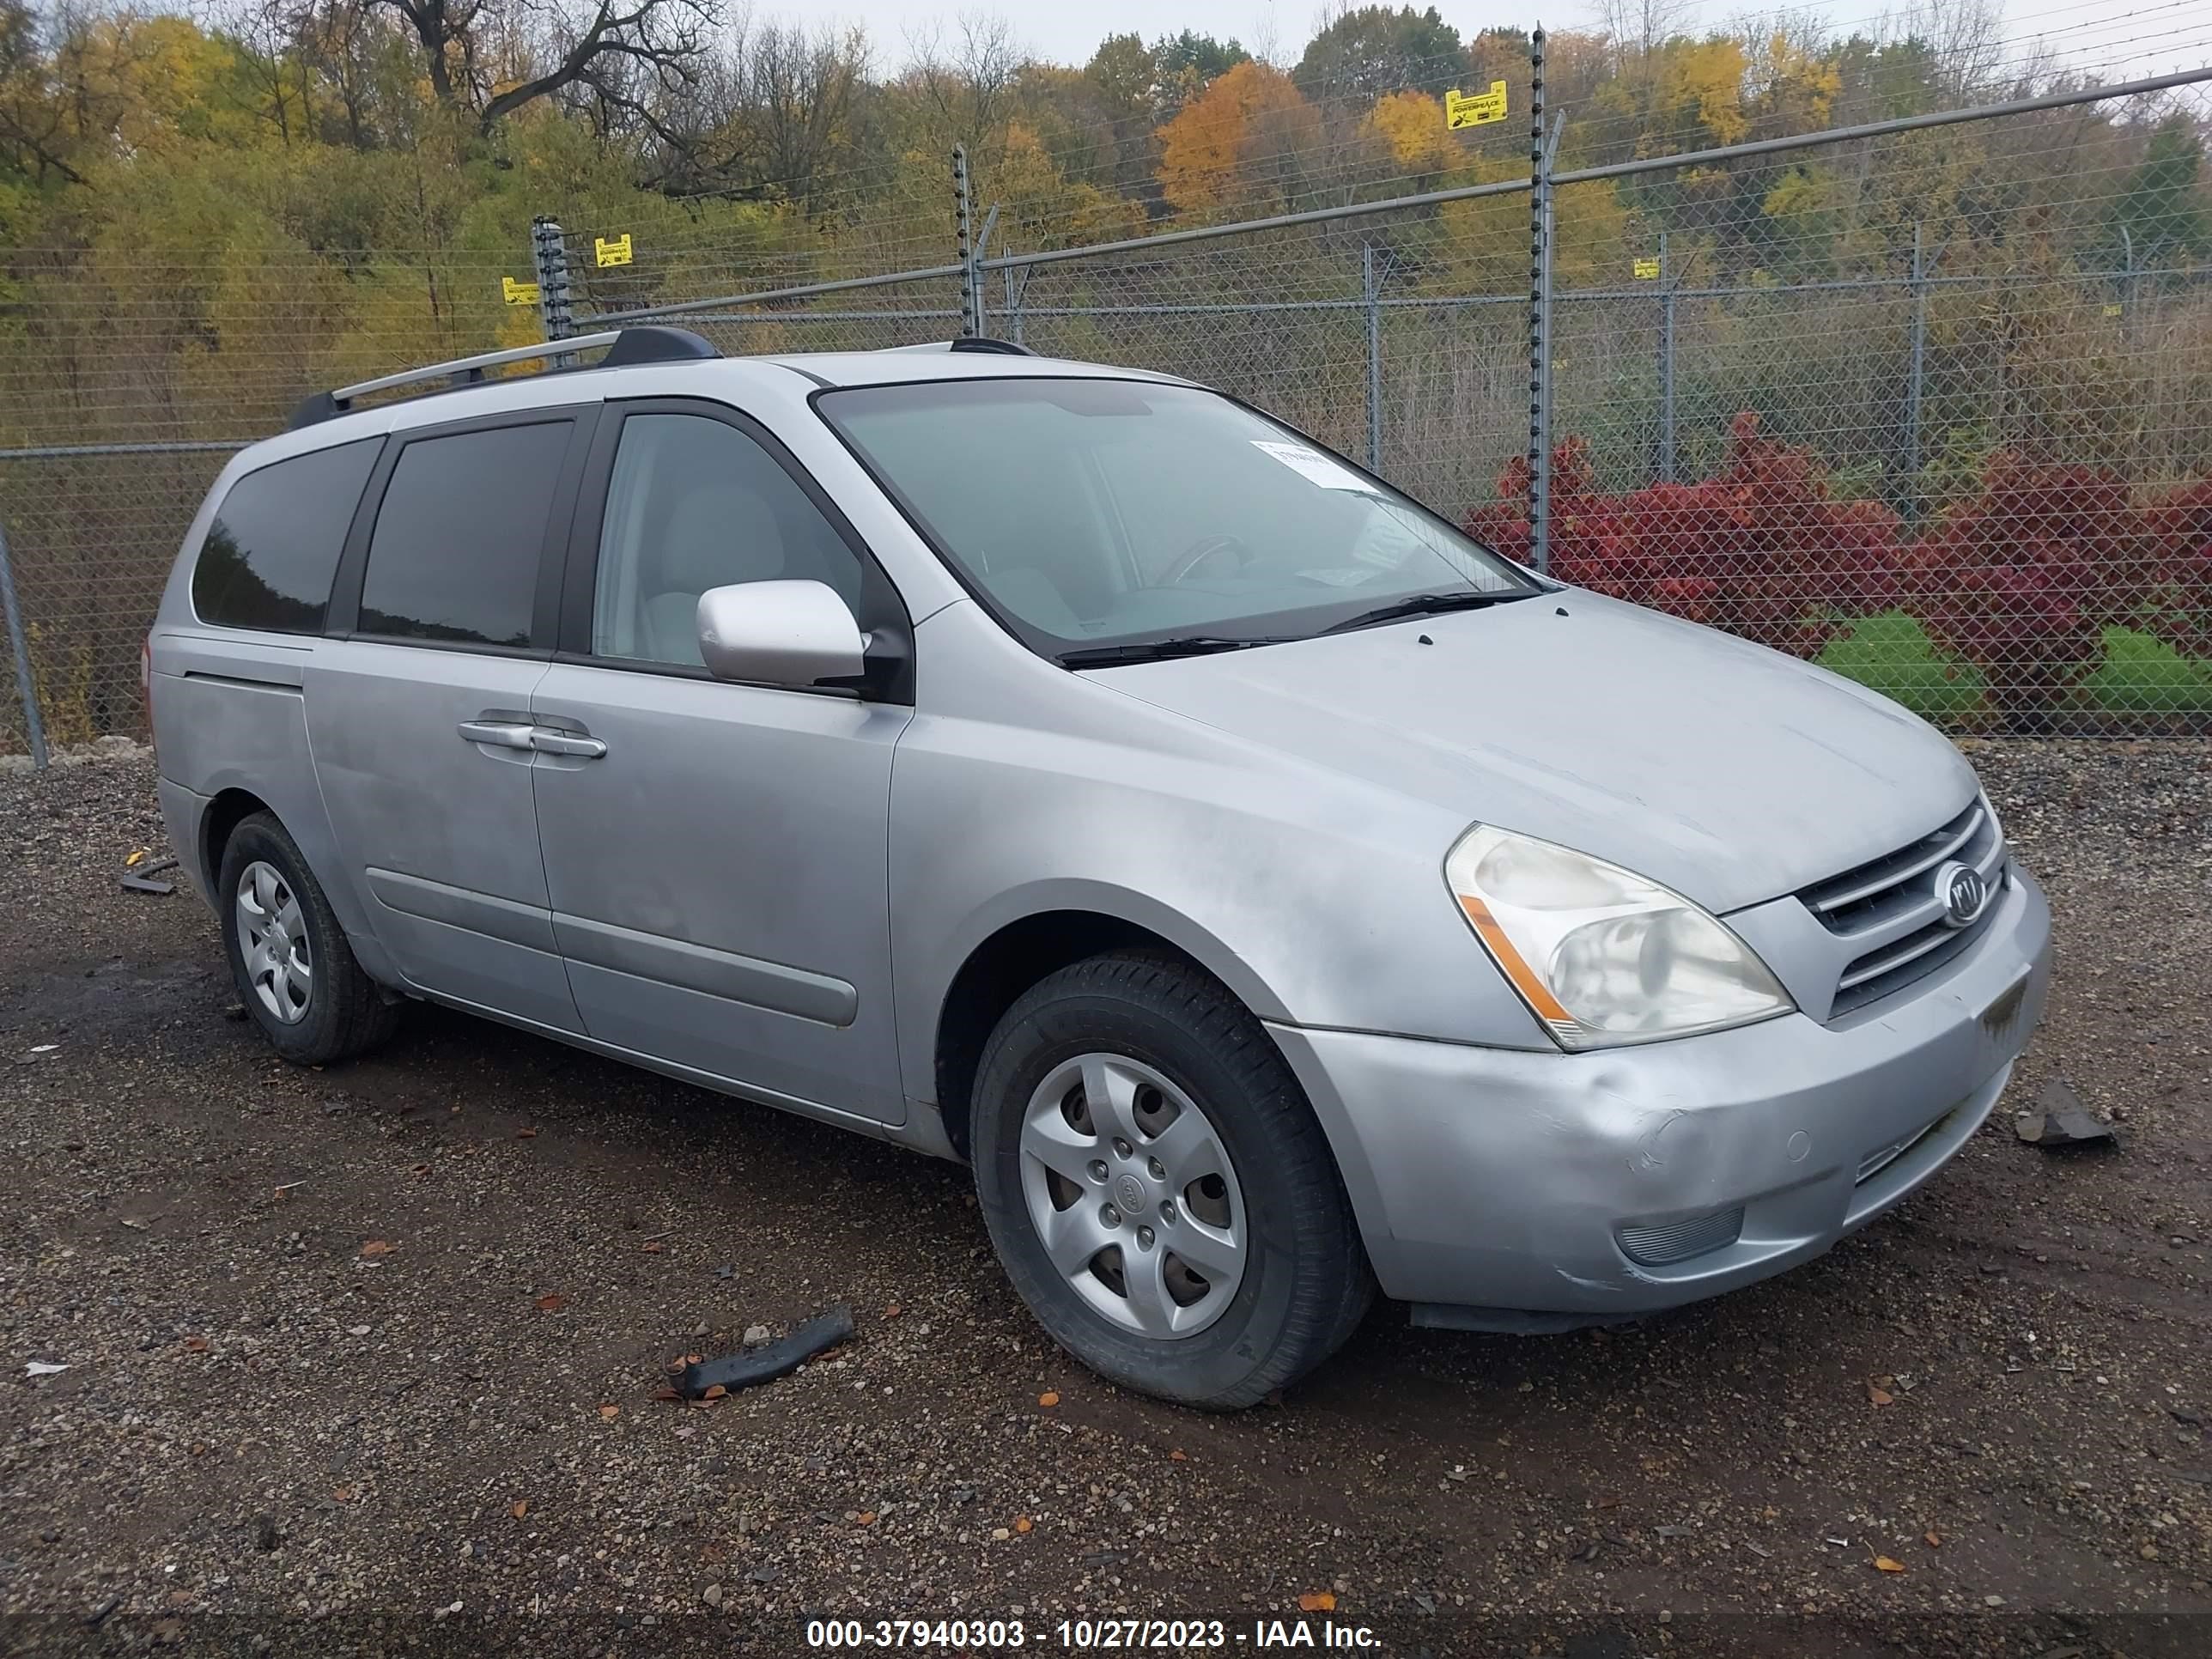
(1240,144)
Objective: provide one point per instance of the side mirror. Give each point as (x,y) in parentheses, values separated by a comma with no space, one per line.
(789,633)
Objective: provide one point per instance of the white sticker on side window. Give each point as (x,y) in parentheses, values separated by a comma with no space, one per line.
(1314,467)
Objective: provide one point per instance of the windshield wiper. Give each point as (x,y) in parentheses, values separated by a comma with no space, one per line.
(1182,645)
(1423,604)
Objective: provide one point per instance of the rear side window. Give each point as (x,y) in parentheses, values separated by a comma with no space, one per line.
(456,549)
(275,541)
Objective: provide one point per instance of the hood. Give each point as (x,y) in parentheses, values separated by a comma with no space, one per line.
(1728,772)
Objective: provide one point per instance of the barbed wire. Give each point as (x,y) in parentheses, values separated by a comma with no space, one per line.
(1352,175)
(1929,417)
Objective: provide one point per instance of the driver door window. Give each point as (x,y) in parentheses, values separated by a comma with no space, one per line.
(695,503)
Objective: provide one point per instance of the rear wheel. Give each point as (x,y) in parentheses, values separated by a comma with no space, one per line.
(288,957)
(1158,1187)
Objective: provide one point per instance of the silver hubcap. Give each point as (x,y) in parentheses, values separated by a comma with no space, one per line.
(272,937)
(1131,1194)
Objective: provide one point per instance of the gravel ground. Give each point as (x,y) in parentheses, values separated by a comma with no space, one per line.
(370,1356)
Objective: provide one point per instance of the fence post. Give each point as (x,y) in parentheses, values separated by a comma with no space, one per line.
(1370,288)
(1542,148)
(1666,364)
(1916,378)
(26,689)
(1016,282)
(978,283)
(548,251)
(2127,287)
(1539,435)
(963,209)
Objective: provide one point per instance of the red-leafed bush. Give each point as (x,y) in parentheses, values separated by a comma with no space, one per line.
(2021,579)
(2180,528)
(1504,524)
(1759,550)
(2019,582)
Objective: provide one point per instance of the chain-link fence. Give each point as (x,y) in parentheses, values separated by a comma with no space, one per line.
(1935,412)
(1928,400)
(126,382)
(92,530)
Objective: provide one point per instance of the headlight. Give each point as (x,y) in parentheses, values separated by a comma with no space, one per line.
(1603,956)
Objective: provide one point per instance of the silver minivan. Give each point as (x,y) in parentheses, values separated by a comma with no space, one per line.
(1274,896)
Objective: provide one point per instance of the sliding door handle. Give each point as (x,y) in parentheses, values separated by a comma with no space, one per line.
(571,743)
(499,734)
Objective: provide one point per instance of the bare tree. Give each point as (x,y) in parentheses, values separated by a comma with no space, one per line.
(622,51)
(445,32)
(617,52)
(798,93)
(1639,28)
(1965,38)
(1267,35)
(968,79)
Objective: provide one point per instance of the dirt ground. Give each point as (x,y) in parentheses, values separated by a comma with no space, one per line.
(365,1359)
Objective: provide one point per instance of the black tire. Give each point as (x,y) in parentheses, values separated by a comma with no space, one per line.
(1306,1282)
(345,1012)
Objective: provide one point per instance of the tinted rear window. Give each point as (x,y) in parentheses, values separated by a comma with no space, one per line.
(455,553)
(275,541)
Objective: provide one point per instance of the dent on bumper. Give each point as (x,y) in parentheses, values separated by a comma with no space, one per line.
(1497,1180)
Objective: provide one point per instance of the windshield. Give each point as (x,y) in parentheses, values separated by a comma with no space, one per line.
(1118,513)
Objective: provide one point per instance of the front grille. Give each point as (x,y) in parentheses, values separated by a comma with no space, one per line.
(1678,1241)
(1896,965)
(1880,891)
(1877,900)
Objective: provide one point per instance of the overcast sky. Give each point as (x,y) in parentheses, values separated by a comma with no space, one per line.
(2127,37)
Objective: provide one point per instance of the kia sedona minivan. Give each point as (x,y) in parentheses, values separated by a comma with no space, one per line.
(1273,895)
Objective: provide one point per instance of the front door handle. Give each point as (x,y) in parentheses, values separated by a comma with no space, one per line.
(576,747)
(499,734)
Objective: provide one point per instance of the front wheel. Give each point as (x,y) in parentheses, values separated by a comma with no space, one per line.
(1158,1187)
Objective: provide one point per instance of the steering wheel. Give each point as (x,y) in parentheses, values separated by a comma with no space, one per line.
(1204,548)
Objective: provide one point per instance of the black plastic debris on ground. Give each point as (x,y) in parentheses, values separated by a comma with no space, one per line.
(140,878)
(749,1366)
(2061,1122)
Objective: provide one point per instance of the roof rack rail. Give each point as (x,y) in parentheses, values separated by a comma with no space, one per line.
(646,343)
(984,342)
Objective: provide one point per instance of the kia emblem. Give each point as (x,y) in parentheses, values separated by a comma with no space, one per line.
(1963,894)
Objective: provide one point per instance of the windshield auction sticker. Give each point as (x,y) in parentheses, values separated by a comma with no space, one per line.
(1314,467)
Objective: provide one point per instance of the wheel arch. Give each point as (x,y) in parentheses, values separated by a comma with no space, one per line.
(225,812)
(1018,950)
(233,802)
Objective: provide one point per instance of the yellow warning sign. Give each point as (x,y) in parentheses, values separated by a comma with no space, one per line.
(1647,271)
(1475,109)
(2111,308)
(612,250)
(518,294)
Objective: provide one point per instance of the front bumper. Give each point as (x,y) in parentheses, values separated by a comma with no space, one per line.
(1491,1184)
